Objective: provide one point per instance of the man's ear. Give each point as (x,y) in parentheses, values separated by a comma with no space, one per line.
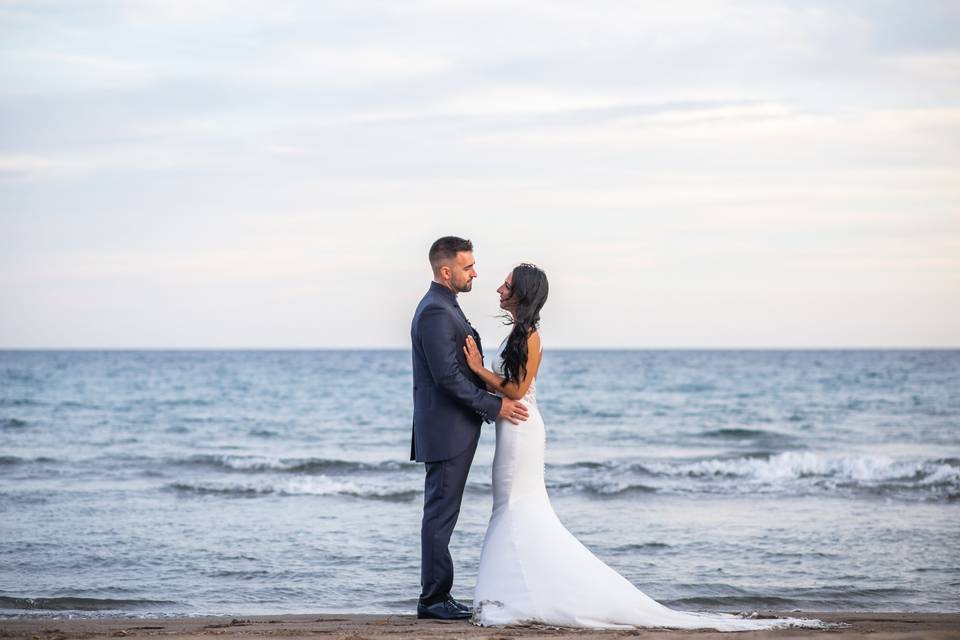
(445,272)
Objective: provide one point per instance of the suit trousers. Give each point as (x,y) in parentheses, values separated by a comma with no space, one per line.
(443,493)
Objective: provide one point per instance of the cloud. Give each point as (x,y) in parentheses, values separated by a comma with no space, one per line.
(33,71)
(25,163)
(183,10)
(307,64)
(755,151)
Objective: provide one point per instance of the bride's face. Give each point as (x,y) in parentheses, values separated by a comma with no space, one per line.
(504,291)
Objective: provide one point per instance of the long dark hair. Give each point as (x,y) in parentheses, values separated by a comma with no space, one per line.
(528,293)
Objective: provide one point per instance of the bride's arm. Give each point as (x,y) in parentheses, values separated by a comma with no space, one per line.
(514,390)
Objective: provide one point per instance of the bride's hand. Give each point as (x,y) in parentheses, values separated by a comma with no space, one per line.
(474,359)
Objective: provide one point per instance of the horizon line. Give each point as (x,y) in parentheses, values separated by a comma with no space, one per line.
(565,348)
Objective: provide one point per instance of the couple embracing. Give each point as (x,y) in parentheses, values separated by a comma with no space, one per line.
(532,570)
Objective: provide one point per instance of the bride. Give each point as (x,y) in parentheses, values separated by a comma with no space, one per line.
(532,570)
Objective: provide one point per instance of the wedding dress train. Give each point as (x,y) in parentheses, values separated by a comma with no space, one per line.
(532,570)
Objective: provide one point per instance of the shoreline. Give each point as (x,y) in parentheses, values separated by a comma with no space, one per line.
(874,625)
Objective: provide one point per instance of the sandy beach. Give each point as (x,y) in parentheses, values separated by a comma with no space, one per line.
(877,626)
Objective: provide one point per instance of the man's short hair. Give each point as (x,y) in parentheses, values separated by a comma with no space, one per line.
(446,249)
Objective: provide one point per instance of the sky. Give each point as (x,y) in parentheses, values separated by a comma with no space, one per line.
(235,174)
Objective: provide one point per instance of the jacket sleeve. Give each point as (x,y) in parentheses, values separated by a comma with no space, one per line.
(441,350)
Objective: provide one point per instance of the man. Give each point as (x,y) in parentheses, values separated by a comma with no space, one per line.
(450,403)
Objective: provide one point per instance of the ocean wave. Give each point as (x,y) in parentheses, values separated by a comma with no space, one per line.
(790,465)
(12,423)
(185,402)
(608,466)
(642,546)
(733,433)
(76,404)
(603,489)
(79,604)
(308,466)
(730,598)
(590,487)
(692,387)
(720,596)
(795,473)
(19,402)
(312,486)
(733,602)
(793,465)
(741,433)
(12,460)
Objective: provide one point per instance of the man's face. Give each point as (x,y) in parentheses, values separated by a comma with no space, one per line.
(462,272)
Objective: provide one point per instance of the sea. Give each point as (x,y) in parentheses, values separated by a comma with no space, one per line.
(168,483)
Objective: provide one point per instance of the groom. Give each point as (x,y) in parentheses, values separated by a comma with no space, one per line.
(449,404)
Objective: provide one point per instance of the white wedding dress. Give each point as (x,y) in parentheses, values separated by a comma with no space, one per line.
(532,570)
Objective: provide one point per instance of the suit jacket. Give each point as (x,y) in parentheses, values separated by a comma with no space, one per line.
(450,402)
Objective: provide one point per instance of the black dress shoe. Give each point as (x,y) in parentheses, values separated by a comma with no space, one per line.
(443,610)
(459,605)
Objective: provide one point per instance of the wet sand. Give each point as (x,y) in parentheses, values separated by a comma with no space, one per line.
(876,626)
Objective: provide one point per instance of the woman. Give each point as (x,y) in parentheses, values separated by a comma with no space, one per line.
(531,568)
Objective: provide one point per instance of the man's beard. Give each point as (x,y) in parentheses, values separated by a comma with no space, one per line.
(465,287)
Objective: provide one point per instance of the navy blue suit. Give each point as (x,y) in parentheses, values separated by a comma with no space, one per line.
(450,403)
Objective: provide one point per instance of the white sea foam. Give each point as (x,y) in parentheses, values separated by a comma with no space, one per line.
(261,463)
(792,465)
(787,473)
(297,486)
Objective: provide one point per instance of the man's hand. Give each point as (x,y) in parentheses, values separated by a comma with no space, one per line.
(513,411)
